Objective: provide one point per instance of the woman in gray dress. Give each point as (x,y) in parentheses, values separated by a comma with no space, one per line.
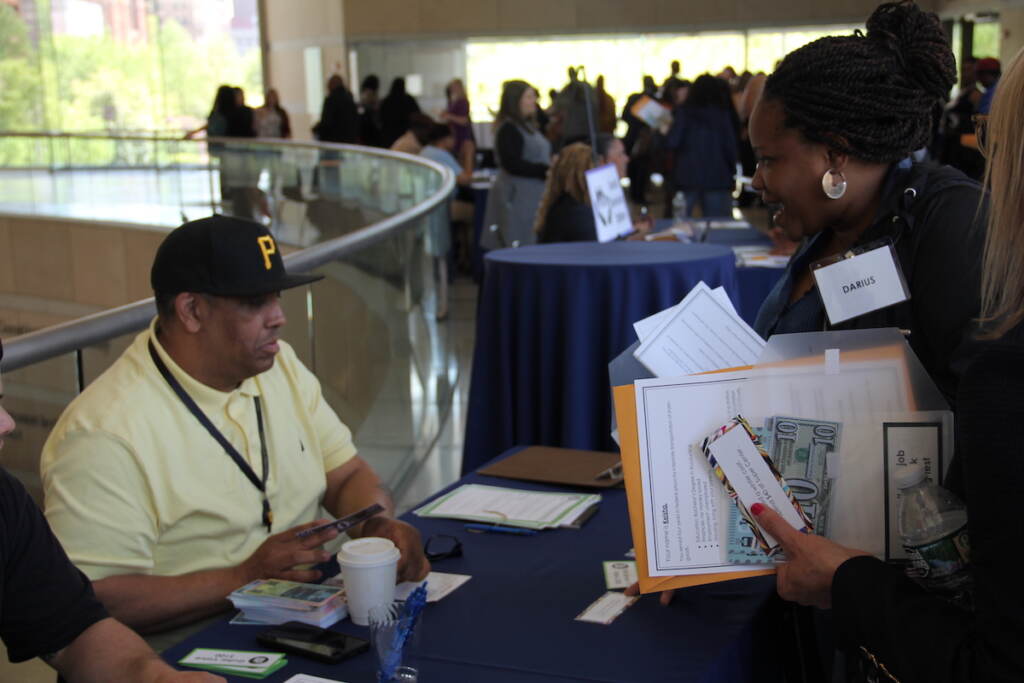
(523,155)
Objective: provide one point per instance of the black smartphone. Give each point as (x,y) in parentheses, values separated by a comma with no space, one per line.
(314,642)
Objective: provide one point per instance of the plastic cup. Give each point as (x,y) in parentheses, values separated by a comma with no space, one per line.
(369,567)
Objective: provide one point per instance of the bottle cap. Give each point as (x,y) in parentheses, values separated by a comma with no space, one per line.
(909,475)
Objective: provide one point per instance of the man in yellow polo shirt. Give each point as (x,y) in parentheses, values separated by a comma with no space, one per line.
(187,468)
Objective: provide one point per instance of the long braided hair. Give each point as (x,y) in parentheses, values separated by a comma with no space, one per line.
(871,96)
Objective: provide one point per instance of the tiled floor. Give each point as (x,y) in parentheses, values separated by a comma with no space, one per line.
(437,469)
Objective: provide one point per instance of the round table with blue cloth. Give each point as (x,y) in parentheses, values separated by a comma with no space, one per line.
(549,320)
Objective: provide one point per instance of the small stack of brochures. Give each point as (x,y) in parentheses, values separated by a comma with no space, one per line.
(235,662)
(513,507)
(272,601)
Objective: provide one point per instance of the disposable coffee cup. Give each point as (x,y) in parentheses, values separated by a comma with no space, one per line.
(369,567)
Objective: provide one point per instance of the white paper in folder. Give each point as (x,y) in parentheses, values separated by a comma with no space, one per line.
(684,506)
(701,334)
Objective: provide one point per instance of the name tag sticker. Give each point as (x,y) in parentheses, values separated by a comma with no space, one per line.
(868,281)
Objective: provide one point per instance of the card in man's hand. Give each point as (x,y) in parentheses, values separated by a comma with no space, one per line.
(741,463)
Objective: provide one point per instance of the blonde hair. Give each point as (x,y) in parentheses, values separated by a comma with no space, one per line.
(1002,280)
(566,176)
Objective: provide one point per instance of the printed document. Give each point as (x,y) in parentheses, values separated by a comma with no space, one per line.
(701,335)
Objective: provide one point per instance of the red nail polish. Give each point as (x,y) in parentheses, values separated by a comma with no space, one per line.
(756,509)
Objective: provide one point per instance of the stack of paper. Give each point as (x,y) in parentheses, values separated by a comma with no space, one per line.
(701,333)
(235,662)
(511,507)
(272,601)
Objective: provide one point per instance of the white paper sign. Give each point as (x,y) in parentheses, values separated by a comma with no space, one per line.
(855,286)
(606,608)
(608,202)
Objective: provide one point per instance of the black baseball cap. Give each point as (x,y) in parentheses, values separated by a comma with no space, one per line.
(223,256)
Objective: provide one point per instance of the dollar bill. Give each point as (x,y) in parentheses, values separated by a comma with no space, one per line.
(799,449)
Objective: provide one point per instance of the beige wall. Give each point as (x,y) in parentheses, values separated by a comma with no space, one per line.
(368,19)
(288,27)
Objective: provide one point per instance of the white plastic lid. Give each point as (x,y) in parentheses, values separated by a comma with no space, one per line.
(368,552)
(908,475)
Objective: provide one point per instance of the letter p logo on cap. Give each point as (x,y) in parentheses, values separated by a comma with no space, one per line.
(267,247)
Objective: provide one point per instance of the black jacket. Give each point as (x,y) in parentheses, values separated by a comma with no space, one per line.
(932,215)
(339,118)
(921,638)
(568,221)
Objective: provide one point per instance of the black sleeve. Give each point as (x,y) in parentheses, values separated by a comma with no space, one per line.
(286,126)
(946,282)
(46,602)
(509,143)
(923,638)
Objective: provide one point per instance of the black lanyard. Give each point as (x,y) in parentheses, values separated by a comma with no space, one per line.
(260,484)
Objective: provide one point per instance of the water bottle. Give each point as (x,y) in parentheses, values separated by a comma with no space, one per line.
(684,231)
(933,525)
(679,207)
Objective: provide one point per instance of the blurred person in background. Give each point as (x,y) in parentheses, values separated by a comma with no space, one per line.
(440,147)
(456,115)
(571,110)
(565,213)
(413,140)
(988,71)
(913,635)
(339,117)
(638,143)
(369,112)
(703,141)
(606,118)
(271,118)
(395,110)
(523,155)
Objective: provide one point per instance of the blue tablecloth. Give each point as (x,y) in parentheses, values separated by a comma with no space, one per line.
(551,317)
(514,620)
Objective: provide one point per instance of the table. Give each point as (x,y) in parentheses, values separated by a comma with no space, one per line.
(753,283)
(514,620)
(549,319)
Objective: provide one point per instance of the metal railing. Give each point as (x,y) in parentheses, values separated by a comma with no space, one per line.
(41,345)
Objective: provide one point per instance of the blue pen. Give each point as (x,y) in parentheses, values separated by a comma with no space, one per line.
(494,528)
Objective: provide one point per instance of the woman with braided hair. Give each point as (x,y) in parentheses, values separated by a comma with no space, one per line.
(906,633)
(833,132)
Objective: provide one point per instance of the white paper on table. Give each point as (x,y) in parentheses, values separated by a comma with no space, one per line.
(509,506)
(651,323)
(606,608)
(439,586)
(306,678)
(701,335)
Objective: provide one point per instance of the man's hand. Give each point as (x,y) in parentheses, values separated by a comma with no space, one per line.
(413,565)
(278,556)
(110,652)
(665,598)
(812,561)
